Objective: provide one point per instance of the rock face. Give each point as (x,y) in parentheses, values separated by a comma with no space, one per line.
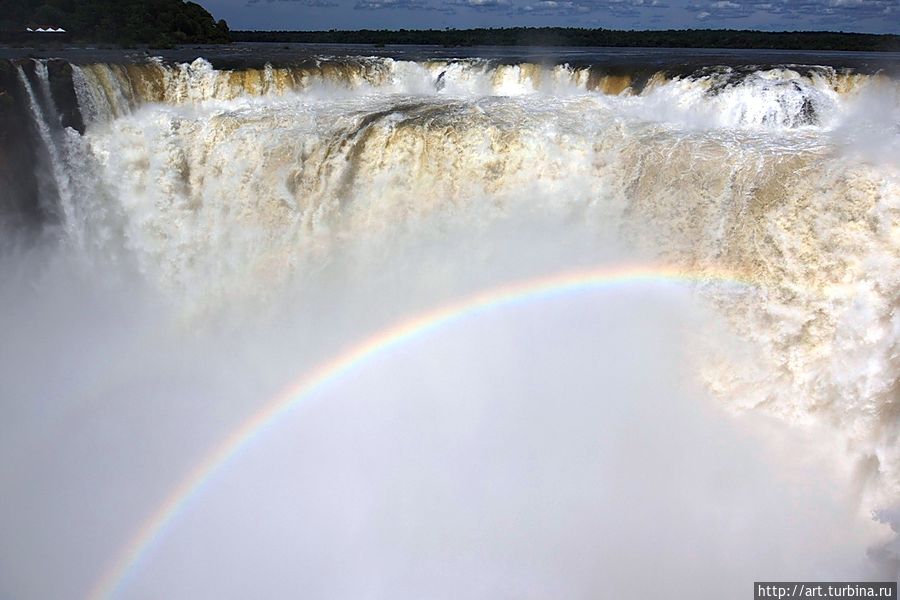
(25,173)
(63,92)
(20,208)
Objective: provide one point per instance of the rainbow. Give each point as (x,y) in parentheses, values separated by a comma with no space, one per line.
(153,530)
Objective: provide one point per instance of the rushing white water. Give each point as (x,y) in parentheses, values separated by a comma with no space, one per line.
(44,125)
(333,198)
(725,97)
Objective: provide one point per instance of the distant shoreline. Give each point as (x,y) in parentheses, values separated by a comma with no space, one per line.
(517,37)
(566,37)
(614,61)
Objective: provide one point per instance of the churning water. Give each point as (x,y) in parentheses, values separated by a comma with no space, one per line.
(468,328)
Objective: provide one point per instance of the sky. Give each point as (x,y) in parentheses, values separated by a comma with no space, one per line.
(875,16)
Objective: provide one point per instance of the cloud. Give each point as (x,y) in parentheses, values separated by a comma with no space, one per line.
(629,8)
(387,4)
(846,11)
(553,8)
(721,9)
(310,3)
(481,5)
(619,8)
(824,14)
(398,5)
(865,8)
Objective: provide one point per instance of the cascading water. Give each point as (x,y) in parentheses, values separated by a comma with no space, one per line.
(43,125)
(353,191)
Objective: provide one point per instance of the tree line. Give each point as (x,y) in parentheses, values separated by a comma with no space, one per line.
(561,36)
(155,22)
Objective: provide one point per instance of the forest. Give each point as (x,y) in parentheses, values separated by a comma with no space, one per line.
(154,22)
(560,36)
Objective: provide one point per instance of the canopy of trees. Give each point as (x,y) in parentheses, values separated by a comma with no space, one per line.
(559,36)
(161,22)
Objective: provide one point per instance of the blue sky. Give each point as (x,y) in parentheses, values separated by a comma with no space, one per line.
(879,16)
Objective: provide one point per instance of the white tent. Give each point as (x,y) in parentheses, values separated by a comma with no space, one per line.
(40,30)
(59,30)
(29,29)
